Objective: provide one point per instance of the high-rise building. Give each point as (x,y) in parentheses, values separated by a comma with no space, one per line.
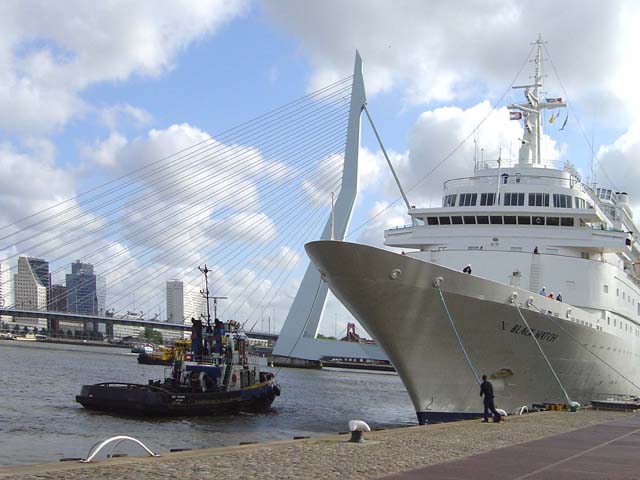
(184,302)
(30,288)
(57,298)
(86,291)
(5,290)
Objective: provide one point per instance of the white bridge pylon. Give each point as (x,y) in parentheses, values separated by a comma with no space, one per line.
(297,337)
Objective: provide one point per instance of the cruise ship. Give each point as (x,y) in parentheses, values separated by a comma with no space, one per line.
(551,309)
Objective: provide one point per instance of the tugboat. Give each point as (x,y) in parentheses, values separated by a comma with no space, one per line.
(225,381)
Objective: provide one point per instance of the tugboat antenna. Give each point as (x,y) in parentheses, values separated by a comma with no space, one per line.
(205,293)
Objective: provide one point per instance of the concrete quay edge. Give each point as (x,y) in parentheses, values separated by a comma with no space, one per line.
(385,452)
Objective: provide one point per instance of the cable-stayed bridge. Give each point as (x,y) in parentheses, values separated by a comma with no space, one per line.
(245,201)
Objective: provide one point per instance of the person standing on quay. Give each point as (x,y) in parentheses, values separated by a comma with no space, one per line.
(486,389)
(467,269)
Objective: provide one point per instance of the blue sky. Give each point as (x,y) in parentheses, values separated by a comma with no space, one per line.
(85,85)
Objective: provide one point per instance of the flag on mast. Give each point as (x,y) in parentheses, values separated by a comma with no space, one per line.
(552,119)
(515,115)
(564,124)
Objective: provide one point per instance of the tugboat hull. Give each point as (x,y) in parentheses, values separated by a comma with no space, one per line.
(152,400)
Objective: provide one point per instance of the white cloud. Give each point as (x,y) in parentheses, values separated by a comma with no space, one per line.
(52,51)
(284,258)
(619,163)
(105,153)
(318,187)
(30,181)
(444,51)
(111,117)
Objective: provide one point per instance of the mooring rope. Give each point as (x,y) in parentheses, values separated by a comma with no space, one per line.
(566,395)
(542,312)
(455,331)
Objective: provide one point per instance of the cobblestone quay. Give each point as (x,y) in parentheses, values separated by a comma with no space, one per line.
(383,453)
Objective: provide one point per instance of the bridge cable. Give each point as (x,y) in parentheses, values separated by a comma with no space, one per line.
(155,163)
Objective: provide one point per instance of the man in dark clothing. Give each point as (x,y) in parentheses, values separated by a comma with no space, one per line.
(486,389)
(467,269)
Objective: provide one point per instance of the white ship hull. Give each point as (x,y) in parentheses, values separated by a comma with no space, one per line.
(393,296)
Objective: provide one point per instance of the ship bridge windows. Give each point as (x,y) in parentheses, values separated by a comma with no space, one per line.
(604,194)
(538,199)
(562,201)
(512,199)
(449,200)
(468,199)
(500,220)
(487,199)
(582,203)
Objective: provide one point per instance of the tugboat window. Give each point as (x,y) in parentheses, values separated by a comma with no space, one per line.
(509,220)
(524,220)
(469,220)
(495,220)
(483,220)
(538,220)
(566,222)
(445,221)
(432,220)
(554,221)
(456,220)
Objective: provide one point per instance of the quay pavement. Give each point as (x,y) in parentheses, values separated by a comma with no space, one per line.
(560,445)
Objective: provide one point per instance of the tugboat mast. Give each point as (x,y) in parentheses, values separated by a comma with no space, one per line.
(205,293)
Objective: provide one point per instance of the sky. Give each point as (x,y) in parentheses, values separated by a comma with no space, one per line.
(91,91)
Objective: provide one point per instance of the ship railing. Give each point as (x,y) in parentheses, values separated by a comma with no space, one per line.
(553,164)
(402,227)
(615,398)
(606,228)
(521,179)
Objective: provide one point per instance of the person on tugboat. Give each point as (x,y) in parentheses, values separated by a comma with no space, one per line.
(196,338)
(218,333)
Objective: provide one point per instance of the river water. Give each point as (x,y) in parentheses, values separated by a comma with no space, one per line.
(41,422)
